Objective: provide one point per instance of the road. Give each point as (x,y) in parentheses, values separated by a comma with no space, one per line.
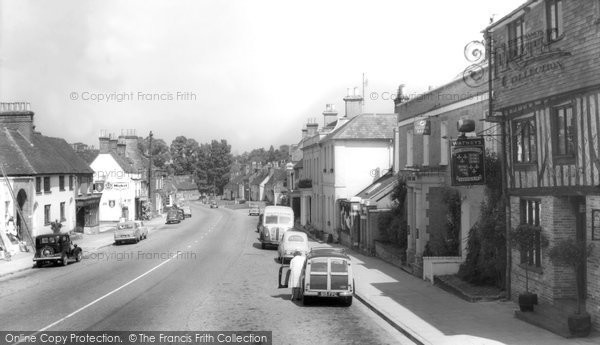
(207,273)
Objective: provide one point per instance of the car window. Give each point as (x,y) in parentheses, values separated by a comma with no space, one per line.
(44,240)
(51,240)
(339,266)
(284,219)
(271,219)
(296,238)
(125,226)
(318,265)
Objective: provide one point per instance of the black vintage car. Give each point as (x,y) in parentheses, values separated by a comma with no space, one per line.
(56,248)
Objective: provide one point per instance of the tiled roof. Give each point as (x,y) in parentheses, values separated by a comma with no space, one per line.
(278,175)
(88,156)
(259,177)
(40,155)
(366,126)
(125,163)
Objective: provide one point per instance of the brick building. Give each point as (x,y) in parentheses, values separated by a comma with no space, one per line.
(547,95)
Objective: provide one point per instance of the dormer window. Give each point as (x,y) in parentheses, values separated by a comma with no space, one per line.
(515,38)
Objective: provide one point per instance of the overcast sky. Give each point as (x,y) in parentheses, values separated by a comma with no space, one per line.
(249,71)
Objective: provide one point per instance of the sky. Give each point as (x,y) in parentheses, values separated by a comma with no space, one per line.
(252,72)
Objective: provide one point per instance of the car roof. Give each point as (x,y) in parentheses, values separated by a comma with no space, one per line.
(294,232)
(317,252)
(277,209)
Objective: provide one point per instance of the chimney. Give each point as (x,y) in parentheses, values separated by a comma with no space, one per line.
(311,129)
(112,143)
(17,116)
(121,146)
(353,102)
(304,133)
(131,142)
(103,139)
(400,98)
(329,115)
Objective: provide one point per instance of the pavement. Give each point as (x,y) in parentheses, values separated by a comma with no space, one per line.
(22,261)
(429,315)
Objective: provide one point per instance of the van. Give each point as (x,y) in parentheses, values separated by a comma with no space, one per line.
(275,221)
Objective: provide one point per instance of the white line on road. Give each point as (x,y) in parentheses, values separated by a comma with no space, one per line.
(101,298)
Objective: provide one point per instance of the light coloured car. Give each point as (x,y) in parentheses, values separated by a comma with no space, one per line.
(131,231)
(291,242)
(187,211)
(327,273)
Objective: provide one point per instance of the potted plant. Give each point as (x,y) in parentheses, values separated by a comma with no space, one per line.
(574,253)
(55,226)
(524,238)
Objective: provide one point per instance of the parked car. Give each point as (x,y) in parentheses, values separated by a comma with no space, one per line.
(291,242)
(327,272)
(56,248)
(213,204)
(254,210)
(276,220)
(181,214)
(132,231)
(173,216)
(187,211)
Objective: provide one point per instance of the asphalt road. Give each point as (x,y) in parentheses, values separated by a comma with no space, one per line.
(207,273)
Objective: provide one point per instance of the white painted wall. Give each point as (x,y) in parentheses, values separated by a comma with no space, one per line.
(54,198)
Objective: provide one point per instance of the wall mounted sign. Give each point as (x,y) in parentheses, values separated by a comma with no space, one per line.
(422,127)
(468,164)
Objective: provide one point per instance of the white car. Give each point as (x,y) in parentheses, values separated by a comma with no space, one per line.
(131,231)
(291,242)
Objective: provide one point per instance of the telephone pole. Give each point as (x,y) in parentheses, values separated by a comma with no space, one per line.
(150,199)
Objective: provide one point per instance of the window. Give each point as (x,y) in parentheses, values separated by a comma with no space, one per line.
(530,214)
(564,131)
(62,212)
(38,185)
(409,148)
(554,20)
(444,143)
(70,182)
(515,38)
(47,184)
(525,144)
(61,183)
(47,215)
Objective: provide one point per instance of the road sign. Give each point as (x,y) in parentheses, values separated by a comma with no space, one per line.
(468,161)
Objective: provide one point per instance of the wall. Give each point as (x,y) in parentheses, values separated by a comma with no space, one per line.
(54,198)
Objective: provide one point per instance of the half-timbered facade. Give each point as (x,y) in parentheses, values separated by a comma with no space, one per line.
(547,95)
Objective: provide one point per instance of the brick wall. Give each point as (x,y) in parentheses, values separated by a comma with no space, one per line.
(593,264)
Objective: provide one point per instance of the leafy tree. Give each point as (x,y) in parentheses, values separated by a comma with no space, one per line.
(213,166)
(161,155)
(184,153)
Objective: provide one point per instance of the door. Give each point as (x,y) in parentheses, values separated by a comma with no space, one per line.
(579,209)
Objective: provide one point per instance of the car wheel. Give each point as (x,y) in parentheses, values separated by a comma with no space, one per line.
(64,260)
(347,301)
(263,245)
(78,256)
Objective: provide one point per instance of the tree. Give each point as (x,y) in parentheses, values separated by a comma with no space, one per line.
(161,156)
(213,165)
(184,153)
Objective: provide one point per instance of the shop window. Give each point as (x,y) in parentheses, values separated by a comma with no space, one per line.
(525,141)
(530,214)
(554,19)
(515,38)
(564,136)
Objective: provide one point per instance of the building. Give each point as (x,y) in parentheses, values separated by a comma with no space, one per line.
(120,172)
(43,179)
(547,96)
(186,188)
(276,192)
(339,159)
(427,126)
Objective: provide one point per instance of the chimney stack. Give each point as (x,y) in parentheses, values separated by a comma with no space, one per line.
(131,141)
(311,129)
(329,115)
(17,116)
(103,139)
(112,143)
(121,146)
(353,103)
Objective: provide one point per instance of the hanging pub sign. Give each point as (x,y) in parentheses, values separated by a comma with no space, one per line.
(422,127)
(468,165)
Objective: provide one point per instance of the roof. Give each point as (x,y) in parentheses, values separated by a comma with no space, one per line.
(259,177)
(299,165)
(366,126)
(380,188)
(39,155)
(125,163)
(278,175)
(327,252)
(88,156)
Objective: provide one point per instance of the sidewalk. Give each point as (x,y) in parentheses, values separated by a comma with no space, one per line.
(430,315)
(88,242)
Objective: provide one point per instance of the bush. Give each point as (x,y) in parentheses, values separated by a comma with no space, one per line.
(392,225)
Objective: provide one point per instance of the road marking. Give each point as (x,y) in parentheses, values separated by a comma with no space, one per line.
(103,297)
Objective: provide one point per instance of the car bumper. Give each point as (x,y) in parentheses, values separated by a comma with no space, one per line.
(320,293)
(125,238)
(48,258)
